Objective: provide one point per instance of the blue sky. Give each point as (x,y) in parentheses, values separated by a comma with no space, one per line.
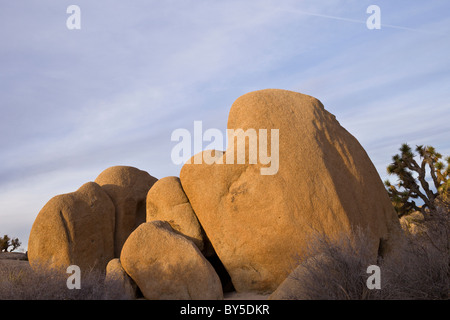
(75,102)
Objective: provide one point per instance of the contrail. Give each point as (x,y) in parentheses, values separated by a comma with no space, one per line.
(357,21)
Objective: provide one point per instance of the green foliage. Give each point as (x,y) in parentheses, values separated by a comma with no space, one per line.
(413,177)
(7,242)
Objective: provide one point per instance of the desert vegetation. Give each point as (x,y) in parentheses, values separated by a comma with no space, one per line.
(6,242)
(420,266)
(337,269)
(19,282)
(426,178)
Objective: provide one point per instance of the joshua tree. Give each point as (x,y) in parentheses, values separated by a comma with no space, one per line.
(7,242)
(413,182)
(15,243)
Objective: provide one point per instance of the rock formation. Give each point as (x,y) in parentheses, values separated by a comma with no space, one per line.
(250,211)
(258,224)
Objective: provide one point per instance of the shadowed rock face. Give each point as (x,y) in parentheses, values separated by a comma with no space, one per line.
(74,228)
(123,287)
(127,188)
(259,224)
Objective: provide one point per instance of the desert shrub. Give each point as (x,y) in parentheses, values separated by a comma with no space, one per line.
(46,284)
(422,268)
(337,269)
(333,269)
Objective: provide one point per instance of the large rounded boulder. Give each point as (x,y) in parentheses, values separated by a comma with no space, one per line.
(74,229)
(310,175)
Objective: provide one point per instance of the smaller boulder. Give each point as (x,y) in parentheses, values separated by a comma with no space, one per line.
(413,222)
(119,285)
(166,201)
(167,266)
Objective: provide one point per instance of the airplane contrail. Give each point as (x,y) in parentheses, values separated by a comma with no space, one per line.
(357,21)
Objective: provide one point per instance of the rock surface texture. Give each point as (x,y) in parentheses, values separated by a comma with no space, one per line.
(258,224)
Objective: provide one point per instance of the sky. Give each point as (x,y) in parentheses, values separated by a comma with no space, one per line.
(74,102)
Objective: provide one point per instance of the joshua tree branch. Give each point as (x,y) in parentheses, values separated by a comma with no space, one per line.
(433,176)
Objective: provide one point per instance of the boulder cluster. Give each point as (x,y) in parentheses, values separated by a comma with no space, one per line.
(222,225)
